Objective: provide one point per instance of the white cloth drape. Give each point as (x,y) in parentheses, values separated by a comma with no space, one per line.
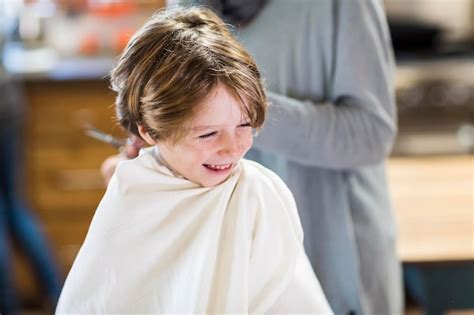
(162,244)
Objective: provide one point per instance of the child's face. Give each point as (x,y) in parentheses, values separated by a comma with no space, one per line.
(220,135)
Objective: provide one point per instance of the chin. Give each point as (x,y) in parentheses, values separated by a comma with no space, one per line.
(212,183)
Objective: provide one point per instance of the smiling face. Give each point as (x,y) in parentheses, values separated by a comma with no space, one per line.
(219,136)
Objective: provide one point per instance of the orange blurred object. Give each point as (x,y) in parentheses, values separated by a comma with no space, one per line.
(89,45)
(122,38)
(114,8)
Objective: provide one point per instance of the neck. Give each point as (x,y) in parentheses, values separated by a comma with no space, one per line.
(161,160)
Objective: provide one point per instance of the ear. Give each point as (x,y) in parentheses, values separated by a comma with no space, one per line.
(145,135)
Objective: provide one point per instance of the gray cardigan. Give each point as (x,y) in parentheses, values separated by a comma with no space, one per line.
(328,66)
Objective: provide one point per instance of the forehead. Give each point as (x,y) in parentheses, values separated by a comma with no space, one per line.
(222,105)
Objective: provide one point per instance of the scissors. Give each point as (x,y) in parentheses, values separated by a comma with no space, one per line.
(105,137)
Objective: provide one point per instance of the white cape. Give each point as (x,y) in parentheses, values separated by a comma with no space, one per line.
(162,244)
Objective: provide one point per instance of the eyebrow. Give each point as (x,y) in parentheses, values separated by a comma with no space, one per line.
(206,127)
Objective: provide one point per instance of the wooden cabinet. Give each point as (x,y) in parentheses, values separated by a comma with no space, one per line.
(64,185)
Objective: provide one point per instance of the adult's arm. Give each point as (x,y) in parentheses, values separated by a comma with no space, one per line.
(357,124)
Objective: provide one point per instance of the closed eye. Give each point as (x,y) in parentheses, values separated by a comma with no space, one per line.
(208,135)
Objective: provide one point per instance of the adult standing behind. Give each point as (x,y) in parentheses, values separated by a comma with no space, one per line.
(328,65)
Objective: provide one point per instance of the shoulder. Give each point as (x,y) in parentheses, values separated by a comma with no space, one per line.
(258,174)
(144,173)
(293,12)
(143,162)
(265,185)
(269,202)
(263,180)
(128,193)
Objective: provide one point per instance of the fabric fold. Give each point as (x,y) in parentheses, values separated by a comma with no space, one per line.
(162,244)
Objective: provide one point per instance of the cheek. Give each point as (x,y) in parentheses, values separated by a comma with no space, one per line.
(247,142)
(201,153)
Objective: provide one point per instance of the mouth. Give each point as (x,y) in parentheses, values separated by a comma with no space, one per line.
(219,168)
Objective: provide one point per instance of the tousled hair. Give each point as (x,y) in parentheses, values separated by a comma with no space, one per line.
(173,63)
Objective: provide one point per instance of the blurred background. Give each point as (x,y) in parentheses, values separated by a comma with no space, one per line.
(58,54)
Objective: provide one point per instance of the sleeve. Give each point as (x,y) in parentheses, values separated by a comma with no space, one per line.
(357,123)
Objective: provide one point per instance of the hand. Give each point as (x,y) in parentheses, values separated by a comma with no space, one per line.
(133,146)
(129,151)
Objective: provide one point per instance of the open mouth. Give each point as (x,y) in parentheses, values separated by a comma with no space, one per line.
(219,168)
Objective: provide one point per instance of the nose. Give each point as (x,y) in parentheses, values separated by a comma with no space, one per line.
(230,146)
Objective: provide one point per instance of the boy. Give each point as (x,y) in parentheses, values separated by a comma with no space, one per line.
(189,226)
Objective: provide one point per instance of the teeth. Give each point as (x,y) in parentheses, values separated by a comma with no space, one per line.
(219,167)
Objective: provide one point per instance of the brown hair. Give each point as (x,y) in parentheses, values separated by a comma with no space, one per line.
(172,64)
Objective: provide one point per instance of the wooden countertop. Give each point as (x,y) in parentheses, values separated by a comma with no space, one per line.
(433,199)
